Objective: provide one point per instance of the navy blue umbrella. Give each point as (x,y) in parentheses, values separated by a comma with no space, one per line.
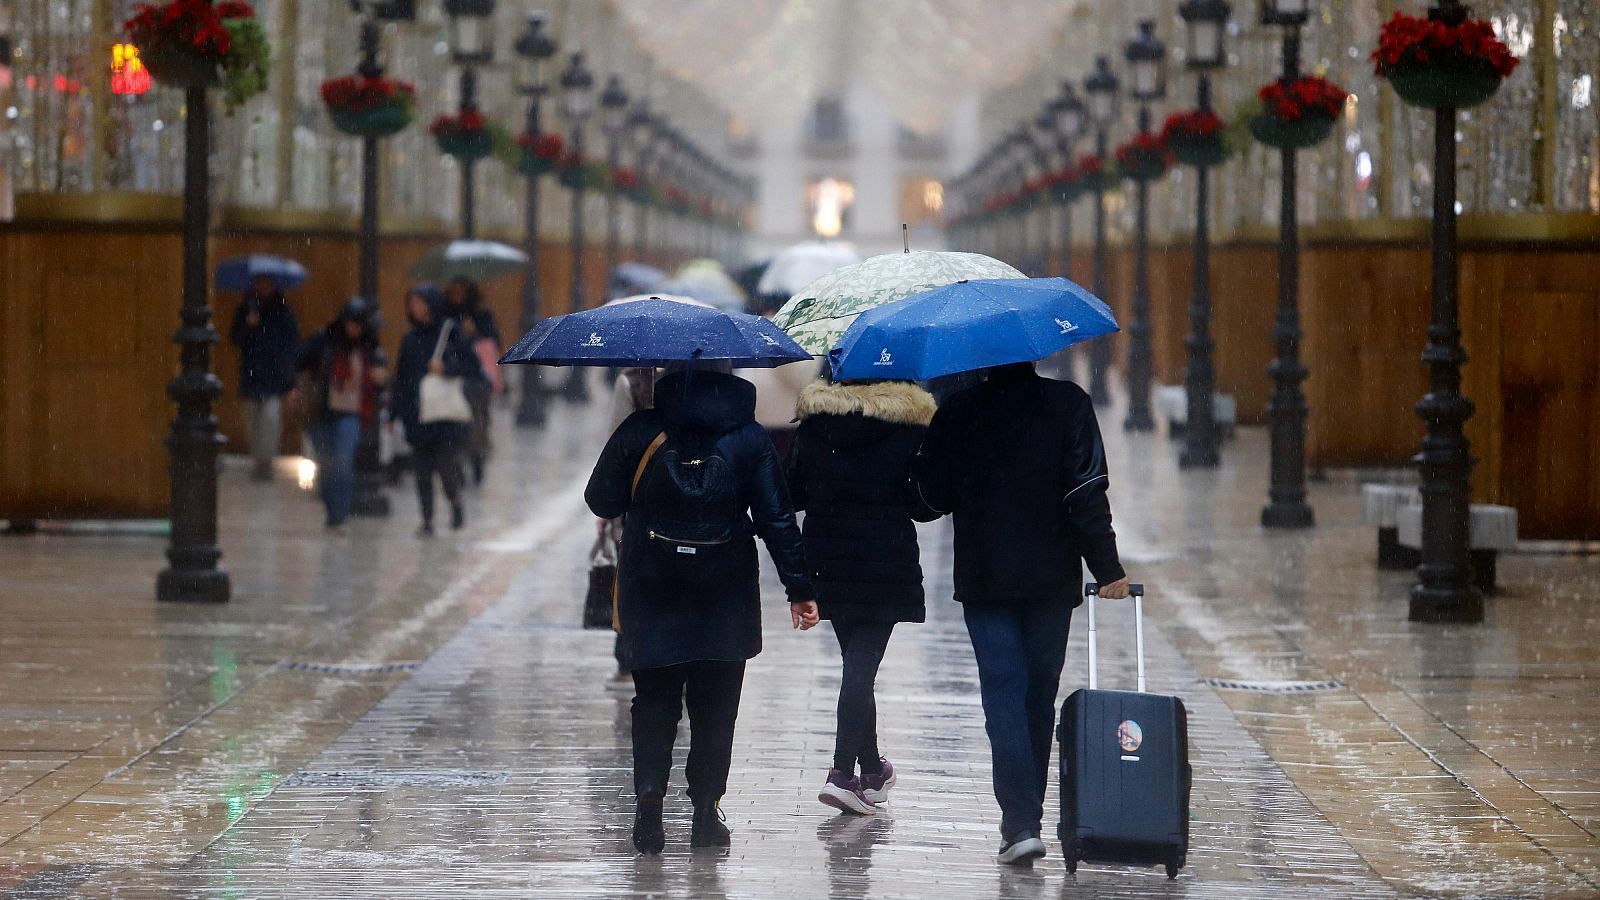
(236,273)
(652,333)
(969,325)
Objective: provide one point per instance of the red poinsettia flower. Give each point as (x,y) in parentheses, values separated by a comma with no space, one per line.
(1307,96)
(358,93)
(546,146)
(192,24)
(570,159)
(468,122)
(1194,125)
(624,178)
(1408,42)
(1066,176)
(1090,165)
(1144,150)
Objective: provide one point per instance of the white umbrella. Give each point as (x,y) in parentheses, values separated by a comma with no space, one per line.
(803,263)
(477,260)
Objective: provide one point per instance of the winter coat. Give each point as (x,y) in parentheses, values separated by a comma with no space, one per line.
(325,352)
(405,390)
(1019,462)
(851,473)
(679,604)
(266,351)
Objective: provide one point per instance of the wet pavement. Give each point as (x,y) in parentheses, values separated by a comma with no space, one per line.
(381,716)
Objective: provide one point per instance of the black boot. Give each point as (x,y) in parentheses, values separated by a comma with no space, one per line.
(648,835)
(708,829)
(458,516)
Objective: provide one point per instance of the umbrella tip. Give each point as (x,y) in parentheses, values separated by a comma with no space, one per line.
(905,237)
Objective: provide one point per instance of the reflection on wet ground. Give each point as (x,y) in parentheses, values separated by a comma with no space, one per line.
(384,717)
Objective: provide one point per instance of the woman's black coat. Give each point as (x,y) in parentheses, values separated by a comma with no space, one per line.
(266,351)
(851,473)
(416,350)
(714,615)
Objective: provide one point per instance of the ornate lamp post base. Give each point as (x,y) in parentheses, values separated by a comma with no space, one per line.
(193,586)
(1288,514)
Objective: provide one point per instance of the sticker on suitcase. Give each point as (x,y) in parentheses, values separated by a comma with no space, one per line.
(1129,736)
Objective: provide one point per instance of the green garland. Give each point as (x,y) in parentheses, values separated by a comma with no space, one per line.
(248,63)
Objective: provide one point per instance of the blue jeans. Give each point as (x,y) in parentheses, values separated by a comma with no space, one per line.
(1020,650)
(334,436)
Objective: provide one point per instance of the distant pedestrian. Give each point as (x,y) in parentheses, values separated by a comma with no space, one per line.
(268,336)
(1019,462)
(344,370)
(697,480)
(432,348)
(851,474)
(464,303)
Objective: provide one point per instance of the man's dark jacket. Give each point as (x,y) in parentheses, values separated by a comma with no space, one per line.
(266,351)
(1019,462)
(666,619)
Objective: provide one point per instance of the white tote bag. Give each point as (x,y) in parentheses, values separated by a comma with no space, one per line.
(442,397)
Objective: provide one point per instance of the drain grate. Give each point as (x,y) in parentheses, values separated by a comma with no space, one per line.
(1272,687)
(395,779)
(352,668)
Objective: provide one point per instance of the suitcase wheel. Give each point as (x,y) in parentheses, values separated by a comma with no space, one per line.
(1070,852)
(1174,863)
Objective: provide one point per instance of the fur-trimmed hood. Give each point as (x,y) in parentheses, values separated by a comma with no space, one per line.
(895,402)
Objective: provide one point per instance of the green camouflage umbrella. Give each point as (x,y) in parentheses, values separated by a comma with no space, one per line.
(820,313)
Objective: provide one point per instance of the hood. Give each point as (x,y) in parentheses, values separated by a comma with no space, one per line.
(436,305)
(854,414)
(705,402)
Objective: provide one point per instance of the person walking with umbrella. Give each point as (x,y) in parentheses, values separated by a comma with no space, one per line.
(696,480)
(851,474)
(464,304)
(343,370)
(1018,461)
(267,334)
(433,346)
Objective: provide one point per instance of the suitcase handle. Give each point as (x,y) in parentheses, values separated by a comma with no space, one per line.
(1136,591)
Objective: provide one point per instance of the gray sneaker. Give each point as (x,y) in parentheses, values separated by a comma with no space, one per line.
(1021,849)
(876,787)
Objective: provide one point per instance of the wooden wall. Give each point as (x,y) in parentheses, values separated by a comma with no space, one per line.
(87,315)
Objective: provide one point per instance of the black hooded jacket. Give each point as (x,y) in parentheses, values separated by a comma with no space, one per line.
(416,351)
(678,602)
(851,473)
(1019,462)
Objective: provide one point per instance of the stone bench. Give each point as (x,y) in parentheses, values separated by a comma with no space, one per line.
(1492,529)
(1380,506)
(1172,402)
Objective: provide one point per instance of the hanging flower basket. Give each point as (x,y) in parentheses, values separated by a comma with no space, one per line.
(1196,138)
(369,107)
(1432,64)
(1094,175)
(579,174)
(625,181)
(192,43)
(541,153)
(1144,158)
(1066,184)
(1297,114)
(465,136)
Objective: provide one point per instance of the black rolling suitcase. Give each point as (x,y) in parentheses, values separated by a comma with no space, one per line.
(1125,772)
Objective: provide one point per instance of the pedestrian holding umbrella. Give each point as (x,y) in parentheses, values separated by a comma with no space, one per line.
(696,480)
(970,325)
(819,314)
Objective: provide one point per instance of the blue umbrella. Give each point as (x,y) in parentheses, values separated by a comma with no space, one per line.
(652,333)
(236,273)
(969,325)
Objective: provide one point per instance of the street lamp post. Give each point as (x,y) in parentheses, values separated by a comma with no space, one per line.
(1444,591)
(534,49)
(192,574)
(614,124)
(1286,411)
(1102,88)
(369,499)
(643,126)
(1207,21)
(1066,113)
(1147,65)
(470,47)
(1043,128)
(577,101)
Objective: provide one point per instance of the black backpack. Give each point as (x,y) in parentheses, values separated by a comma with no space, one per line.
(686,501)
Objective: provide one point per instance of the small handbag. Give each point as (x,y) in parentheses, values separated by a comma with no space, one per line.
(443,398)
(597,602)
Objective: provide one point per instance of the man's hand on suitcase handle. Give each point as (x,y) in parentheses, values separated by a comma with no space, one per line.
(1116,590)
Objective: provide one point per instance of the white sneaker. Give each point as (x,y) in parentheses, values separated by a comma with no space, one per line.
(1022,850)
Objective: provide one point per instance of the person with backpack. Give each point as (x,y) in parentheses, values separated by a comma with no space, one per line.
(697,480)
(851,474)
(434,345)
(1019,462)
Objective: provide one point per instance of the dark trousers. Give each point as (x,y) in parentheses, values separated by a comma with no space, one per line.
(1020,650)
(436,454)
(710,690)
(862,644)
